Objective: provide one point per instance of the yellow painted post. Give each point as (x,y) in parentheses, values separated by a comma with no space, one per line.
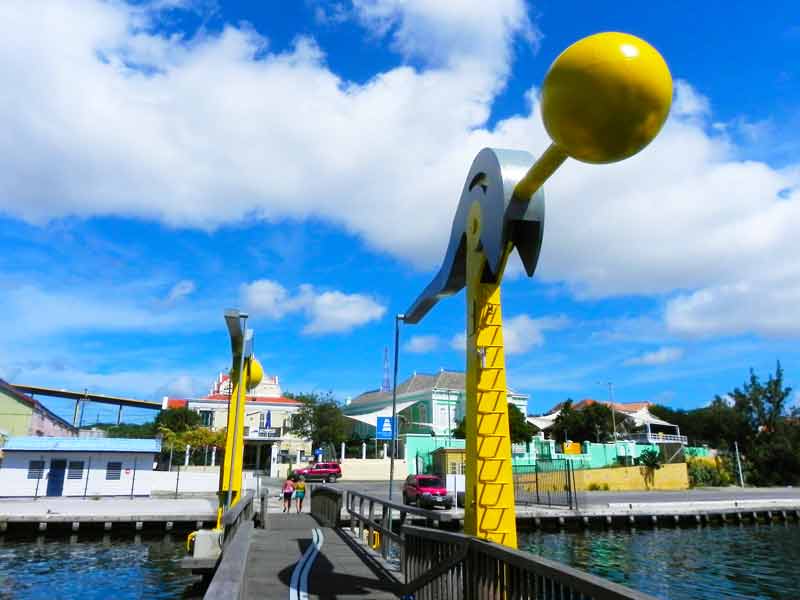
(234,437)
(489,498)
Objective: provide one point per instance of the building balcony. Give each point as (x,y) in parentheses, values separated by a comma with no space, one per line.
(657,438)
(268,433)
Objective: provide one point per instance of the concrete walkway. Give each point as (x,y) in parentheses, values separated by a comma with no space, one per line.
(295,555)
(108,509)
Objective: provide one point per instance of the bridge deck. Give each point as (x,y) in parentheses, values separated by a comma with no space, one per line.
(280,556)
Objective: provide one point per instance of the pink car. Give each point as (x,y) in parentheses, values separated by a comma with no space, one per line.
(426,491)
(327,471)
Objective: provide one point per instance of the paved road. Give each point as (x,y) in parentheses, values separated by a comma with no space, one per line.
(381,490)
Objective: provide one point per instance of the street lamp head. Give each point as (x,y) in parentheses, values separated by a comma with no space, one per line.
(606,97)
(255,373)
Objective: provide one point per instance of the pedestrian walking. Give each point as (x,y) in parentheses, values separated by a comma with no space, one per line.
(288,490)
(300,493)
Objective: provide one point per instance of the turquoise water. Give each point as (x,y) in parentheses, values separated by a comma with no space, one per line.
(734,561)
(122,569)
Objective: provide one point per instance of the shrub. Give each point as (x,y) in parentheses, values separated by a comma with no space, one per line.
(597,487)
(703,473)
(650,459)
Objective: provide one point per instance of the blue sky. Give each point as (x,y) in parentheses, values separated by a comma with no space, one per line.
(164,160)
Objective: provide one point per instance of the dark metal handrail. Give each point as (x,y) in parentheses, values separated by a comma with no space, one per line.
(381,531)
(440,564)
(326,504)
(232,518)
(229,580)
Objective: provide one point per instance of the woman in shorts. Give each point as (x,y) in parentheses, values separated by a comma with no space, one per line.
(300,493)
(288,490)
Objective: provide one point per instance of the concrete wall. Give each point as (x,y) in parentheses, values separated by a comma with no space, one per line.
(193,482)
(44,424)
(668,477)
(15,416)
(14,474)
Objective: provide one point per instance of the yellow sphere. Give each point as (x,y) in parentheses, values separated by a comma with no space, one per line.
(256,373)
(606,97)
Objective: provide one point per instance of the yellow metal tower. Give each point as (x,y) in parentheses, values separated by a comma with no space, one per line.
(604,99)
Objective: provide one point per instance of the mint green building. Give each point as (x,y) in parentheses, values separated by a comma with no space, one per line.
(429,407)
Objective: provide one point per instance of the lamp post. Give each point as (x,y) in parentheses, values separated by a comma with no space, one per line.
(397,319)
(611,405)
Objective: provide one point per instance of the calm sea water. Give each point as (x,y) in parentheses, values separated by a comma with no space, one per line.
(748,561)
(119,569)
(733,561)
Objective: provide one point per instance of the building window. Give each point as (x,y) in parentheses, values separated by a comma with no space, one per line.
(207,418)
(75,470)
(246,430)
(113,470)
(35,469)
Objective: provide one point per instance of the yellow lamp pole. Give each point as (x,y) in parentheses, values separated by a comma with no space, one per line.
(246,373)
(603,100)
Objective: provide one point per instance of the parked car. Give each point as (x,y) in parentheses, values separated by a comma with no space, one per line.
(426,491)
(324,471)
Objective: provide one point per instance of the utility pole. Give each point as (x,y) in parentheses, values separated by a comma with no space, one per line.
(738,463)
(397,320)
(613,412)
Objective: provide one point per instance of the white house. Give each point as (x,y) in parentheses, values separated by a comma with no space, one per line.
(50,466)
(268,438)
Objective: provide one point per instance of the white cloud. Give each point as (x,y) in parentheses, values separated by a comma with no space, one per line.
(136,123)
(771,308)
(657,357)
(267,298)
(326,311)
(459,342)
(180,290)
(45,312)
(689,102)
(520,333)
(422,344)
(447,33)
(335,312)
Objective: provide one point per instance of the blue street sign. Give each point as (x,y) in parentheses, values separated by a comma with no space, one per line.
(383,428)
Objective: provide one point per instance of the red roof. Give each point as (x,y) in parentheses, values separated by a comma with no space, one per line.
(175,403)
(620,406)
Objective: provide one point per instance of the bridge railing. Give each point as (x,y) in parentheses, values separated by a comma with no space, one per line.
(228,581)
(379,522)
(439,564)
(326,504)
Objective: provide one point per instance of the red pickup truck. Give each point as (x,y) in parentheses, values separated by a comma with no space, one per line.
(324,471)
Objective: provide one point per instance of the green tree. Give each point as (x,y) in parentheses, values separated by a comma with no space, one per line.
(593,423)
(178,420)
(320,419)
(521,431)
(129,430)
(762,404)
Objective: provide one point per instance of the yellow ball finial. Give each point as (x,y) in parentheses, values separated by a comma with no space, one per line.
(606,97)
(255,373)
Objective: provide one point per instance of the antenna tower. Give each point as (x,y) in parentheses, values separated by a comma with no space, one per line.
(385,387)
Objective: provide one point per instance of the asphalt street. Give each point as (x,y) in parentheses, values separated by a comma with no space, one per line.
(380,489)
